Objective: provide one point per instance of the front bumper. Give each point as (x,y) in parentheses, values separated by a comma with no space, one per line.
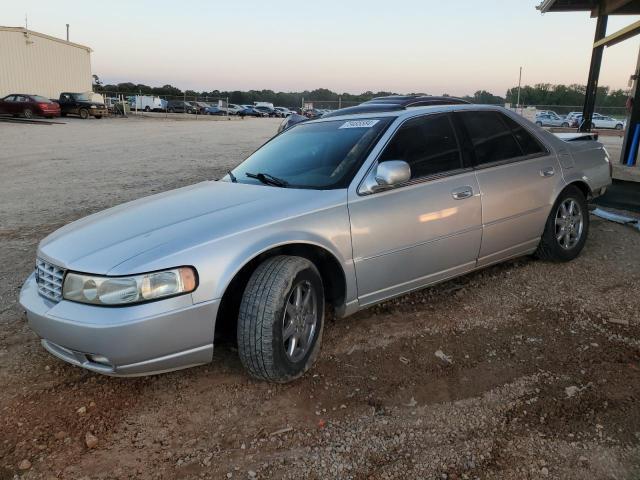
(94,112)
(140,339)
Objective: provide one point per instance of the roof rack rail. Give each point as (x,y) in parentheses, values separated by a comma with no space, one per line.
(396,102)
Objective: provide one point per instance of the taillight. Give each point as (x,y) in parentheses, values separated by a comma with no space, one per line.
(43,105)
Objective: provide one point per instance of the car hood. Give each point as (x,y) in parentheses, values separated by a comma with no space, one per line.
(179,218)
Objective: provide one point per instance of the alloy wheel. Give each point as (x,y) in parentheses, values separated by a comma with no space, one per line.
(300,320)
(569,223)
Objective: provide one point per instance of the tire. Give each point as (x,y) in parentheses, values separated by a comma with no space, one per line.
(84,113)
(272,304)
(565,125)
(619,126)
(539,124)
(28,113)
(98,117)
(147,109)
(171,110)
(63,114)
(554,247)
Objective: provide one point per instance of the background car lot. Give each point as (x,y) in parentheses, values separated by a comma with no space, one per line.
(506,373)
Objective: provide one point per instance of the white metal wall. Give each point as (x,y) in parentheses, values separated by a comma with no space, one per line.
(41,66)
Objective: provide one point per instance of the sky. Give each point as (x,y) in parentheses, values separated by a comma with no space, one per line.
(435,47)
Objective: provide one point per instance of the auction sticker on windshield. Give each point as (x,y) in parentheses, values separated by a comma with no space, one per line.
(359,124)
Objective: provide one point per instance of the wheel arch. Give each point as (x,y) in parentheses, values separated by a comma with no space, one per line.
(333,275)
(582,186)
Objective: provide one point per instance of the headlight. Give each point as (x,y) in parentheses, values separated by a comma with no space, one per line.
(93,106)
(99,290)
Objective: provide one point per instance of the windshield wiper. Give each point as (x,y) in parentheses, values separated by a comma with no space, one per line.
(232,176)
(268,179)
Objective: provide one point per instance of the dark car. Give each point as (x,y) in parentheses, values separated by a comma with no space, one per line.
(80,104)
(266,111)
(29,106)
(180,106)
(250,112)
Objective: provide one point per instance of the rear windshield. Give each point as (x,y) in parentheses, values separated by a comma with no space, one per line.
(322,155)
(40,99)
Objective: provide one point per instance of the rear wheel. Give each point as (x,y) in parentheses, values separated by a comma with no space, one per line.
(619,126)
(281,319)
(565,125)
(567,227)
(84,113)
(28,113)
(147,109)
(539,124)
(98,117)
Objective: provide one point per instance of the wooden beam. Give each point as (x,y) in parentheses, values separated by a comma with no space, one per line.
(609,7)
(619,36)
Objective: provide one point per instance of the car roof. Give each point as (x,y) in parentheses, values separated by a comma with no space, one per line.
(398,102)
(404,113)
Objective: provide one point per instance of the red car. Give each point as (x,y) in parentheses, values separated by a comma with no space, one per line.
(29,106)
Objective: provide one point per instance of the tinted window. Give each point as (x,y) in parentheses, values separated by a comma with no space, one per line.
(427,144)
(492,140)
(314,155)
(527,142)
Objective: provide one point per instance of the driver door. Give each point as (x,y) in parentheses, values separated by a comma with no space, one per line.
(423,231)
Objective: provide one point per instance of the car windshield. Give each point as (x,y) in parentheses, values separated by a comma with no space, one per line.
(81,97)
(322,155)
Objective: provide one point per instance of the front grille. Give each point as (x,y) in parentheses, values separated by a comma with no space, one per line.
(49,279)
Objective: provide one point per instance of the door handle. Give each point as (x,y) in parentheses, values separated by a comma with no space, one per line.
(547,172)
(462,193)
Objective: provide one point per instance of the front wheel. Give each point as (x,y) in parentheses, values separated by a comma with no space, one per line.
(567,227)
(84,113)
(539,124)
(619,126)
(281,319)
(565,125)
(28,113)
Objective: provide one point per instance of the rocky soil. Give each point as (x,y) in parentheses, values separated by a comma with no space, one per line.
(524,370)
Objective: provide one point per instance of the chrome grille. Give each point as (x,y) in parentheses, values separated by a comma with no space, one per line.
(49,279)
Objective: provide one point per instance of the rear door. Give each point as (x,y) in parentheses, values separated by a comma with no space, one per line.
(422,231)
(7,104)
(519,178)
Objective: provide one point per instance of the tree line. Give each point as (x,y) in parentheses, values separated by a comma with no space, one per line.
(539,94)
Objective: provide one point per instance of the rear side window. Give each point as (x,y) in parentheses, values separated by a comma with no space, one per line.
(428,144)
(491,138)
(527,142)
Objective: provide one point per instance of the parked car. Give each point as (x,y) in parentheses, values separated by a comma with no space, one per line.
(266,111)
(200,107)
(571,118)
(249,111)
(350,210)
(29,106)
(549,120)
(233,109)
(81,104)
(603,121)
(282,111)
(214,110)
(180,106)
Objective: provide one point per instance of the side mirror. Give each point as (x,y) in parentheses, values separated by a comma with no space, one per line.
(392,172)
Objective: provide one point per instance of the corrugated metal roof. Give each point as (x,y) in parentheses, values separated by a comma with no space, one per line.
(611,7)
(42,35)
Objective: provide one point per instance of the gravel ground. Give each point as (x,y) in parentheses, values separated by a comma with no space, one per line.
(524,370)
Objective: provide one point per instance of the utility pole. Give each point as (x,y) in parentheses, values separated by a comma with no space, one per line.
(519,87)
(67,32)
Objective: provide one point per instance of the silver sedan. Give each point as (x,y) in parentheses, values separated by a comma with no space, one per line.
(346,211)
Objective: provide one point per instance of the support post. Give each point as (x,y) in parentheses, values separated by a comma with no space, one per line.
(633,119)
(594,75)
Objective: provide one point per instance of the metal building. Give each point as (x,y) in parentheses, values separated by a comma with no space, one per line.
(35,63)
